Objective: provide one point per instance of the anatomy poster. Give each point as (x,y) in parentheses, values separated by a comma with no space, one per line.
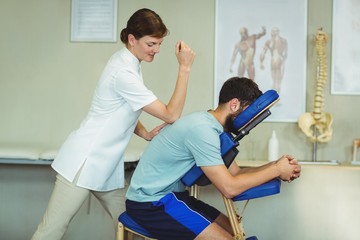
(345,79)
(264,40)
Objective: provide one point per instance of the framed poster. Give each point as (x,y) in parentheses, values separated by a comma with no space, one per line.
(265,40)
(345,77)
(93,21)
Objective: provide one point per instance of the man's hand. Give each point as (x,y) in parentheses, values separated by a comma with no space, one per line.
(288,168)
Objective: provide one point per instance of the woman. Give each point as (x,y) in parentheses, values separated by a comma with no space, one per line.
(91,159)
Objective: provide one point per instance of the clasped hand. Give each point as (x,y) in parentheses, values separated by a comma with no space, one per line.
(288,167)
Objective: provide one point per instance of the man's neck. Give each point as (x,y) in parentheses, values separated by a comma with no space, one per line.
(219,115)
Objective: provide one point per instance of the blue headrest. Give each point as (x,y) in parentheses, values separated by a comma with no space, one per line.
(265,101)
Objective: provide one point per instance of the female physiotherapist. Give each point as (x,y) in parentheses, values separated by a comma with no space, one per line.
(92,158)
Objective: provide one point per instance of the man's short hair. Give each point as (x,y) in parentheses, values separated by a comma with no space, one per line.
(242,88)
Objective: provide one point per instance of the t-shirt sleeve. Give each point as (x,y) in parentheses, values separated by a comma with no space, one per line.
(204,144)
(131,87)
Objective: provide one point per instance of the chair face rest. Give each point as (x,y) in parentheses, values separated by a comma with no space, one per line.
(269,188)
(262,103)
(128,222)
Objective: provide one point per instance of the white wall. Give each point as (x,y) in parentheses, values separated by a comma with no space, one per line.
(46,81)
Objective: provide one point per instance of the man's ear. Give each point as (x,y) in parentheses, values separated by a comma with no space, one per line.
(234,104)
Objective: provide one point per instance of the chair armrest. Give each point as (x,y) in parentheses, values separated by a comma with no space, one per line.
(266,189)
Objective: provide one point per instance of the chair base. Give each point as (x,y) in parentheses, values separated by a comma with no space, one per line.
(124,233)
(252,238)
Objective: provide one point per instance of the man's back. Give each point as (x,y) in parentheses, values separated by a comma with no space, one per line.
(191,139)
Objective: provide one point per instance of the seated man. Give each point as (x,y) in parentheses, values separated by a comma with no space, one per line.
(157,199)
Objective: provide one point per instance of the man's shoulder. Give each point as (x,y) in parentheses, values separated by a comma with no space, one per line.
(201,122)
(199,118)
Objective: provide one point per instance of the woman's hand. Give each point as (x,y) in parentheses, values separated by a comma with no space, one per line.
(150,135)
(184,54)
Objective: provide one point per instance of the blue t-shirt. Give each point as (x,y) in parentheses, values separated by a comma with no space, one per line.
(193,139)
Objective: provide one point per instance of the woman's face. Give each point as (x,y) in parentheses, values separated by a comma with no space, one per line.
(145,48)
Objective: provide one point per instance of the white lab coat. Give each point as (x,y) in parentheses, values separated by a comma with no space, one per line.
(98,146)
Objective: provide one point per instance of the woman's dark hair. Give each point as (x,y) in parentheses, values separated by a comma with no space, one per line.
(144,22)
(244,89)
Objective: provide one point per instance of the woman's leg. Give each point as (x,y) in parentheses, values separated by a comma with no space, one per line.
(65,201)
(113,203)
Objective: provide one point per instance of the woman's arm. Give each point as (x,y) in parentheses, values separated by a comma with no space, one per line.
(172,111)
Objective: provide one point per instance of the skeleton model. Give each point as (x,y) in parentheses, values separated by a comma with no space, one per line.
(317,124)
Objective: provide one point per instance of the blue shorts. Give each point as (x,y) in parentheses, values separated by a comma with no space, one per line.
(175,216)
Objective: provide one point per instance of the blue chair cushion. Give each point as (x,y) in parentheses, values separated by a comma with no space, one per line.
(266,189)
(192,176)
(227,144)
(128,222)
(252,238)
